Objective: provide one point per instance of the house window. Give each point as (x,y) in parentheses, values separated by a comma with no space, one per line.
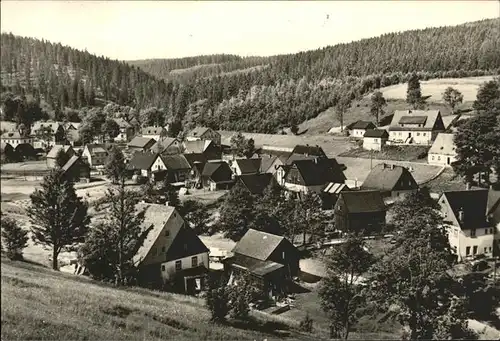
(432,157)
(486,231)
(423,134)
(473,232)
(439,157)
(418,134)
(163,268)
(185,247)
(474,250)
(178,265)
(489,249)
(283,255)
(194,261)
(376,140)
(163,249)
(167,233)
(491,231)
(485,249)
(467,250)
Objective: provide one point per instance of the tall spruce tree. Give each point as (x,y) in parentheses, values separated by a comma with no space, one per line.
(58,216)
(414,92)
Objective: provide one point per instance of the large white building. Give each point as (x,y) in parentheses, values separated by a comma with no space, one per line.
(418,127)
(471,220)
(442,152)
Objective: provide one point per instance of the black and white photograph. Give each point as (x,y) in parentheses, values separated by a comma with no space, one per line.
(250,170)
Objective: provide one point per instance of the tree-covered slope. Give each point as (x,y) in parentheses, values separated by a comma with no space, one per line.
(257,94)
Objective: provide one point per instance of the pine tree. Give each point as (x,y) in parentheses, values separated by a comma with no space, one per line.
(414,93)
(14,238)
(487,95)
(58,215)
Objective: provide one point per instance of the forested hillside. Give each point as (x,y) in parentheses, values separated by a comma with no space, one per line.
(250,94)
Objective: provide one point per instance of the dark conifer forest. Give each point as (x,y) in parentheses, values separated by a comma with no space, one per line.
(41,79)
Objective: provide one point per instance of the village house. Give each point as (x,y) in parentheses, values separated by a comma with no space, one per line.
(256,183)
(493,212)
(76,169)
(141,144)
(157,167)
(167,145)
(204,133)
(304,176)
(196,162)
(331,193)
(360,211)
(95,154)
(126,130)
(245,166)
(153,132)
(270,164)
(467,218)
(15,138)
(73,137)
(359,128)
(52,154)
(391,180)
(217,175)
(172,253)
(272,261)
(58,134)
(7,126)
(206,147)
(415,127)
(442,152)
(375,139)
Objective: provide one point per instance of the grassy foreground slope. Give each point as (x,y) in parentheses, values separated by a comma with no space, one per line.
(40,304)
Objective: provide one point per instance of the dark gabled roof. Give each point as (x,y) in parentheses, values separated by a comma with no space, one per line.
(142,160)
(72,161)
(249,166)
(267,162)
(494,205)
(185,244)
(474,204)
(256,183)
(380,133)
(140,141)
(198,146)
(122,123)
(308,150)
(214,171)
(319,171)
(194,158)
(385,177)
(298,157)
(361,125)
(363,201)
(175,162)
(257,244)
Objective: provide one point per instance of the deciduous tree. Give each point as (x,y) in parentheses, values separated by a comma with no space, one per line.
(110,129)
(237,213)
(340,291)
(196,215)
(14,238)
(452,97)
(217,298)
(115,165)
(487,96)
(58,216)
(61,158)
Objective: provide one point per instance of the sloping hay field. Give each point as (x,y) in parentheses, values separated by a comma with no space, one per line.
(44,305)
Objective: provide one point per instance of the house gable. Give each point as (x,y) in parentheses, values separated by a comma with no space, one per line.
(446,210)
(405,182)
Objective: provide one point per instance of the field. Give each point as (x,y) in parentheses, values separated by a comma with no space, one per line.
(395,96)
(41,304)
(397,153)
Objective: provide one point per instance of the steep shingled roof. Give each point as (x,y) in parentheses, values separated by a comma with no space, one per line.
(256,183)
(319,171)
(152,130)
(361,125)
(216,172)
(142,161)
(257,244)
(165,144)
(380,133)
(308,150)
(140,142)
(198,131)
(443,145)
(363,201)
(249,166)
(53,152)
(473,203)
(427,118)
(175,162)
(385,177)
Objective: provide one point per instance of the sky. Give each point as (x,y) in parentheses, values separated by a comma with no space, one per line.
(130,30)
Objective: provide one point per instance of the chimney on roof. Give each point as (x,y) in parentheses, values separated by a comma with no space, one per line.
(461,215)
(409,111)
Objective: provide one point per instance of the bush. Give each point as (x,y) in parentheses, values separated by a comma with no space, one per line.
(14,238)
(306,325)
(217,299)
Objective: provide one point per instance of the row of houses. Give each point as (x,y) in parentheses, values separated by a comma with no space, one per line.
(410,127)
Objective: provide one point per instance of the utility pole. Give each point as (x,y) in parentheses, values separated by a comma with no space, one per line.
(371,159)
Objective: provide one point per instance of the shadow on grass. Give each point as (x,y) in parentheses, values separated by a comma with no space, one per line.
(268,327)
(295,288)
